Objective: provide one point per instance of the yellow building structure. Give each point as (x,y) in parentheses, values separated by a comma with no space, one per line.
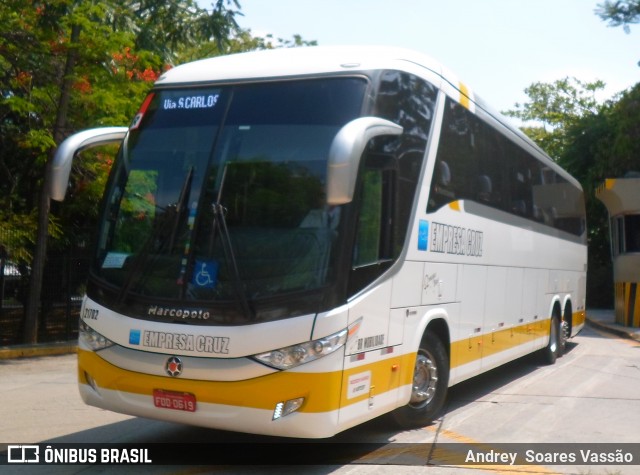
(621,196)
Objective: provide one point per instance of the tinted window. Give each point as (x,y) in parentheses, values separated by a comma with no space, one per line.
(390,173)
(219,195)
(626,234)
(477,163)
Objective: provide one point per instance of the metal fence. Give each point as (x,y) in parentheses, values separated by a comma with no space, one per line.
(62,290)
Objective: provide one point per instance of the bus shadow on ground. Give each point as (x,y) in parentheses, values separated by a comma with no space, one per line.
(185,446)
(372,443)
(486,383)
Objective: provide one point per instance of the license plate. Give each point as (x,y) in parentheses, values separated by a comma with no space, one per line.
(174,400)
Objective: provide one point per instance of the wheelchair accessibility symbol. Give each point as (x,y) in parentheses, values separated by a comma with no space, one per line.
(205,274)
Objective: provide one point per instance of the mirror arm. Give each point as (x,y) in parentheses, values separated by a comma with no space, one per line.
(345,153)
(68,149)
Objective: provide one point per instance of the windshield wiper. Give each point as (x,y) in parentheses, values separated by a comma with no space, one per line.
(220,221)
(134,273)
(181,206)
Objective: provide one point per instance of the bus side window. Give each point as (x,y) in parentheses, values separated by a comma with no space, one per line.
(368,237)
(476,162)
(484,189)
(390,172)
(457,166)
(442,191)
(373,251)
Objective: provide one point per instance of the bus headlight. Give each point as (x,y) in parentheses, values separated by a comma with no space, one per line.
(87,336)
(292,356)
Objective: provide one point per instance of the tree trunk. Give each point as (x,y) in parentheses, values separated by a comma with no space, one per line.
(40,252)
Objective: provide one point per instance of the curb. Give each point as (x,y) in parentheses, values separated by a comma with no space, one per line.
(616,330)
(44,349)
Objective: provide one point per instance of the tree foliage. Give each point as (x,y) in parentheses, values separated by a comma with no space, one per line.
(67,65)
(554,107)
(619,13)
(120,47)
(593,141)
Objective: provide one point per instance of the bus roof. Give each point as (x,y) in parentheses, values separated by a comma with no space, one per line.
(283,62)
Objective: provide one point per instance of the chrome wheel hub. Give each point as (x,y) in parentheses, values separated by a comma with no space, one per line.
(425,380)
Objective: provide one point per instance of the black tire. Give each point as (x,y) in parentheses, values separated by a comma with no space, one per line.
(430,384)
(555,347)
(564,336)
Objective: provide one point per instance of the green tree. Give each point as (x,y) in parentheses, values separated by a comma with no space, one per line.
(240,42)
(593,141)
(554,107)
(67,64)
(606,145)
(619,13)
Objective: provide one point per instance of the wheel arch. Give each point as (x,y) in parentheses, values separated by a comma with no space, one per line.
(555,309)
(440,328)
(431,342)
(435,321)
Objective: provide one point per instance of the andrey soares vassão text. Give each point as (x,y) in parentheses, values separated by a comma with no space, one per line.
(531,456)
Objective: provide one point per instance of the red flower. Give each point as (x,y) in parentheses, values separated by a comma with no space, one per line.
(83,85)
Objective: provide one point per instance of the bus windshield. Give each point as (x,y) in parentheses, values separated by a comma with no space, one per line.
(218,193)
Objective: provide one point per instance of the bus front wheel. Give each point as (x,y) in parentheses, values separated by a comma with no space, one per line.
(429,386)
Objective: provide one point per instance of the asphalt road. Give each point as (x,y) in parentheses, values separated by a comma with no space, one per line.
(590,396)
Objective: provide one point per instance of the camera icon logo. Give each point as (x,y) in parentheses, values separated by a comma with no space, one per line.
(23,454)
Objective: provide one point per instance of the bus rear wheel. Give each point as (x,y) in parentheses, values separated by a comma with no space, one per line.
(429,387)
(555,347)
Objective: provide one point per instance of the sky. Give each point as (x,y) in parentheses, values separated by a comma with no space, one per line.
(497,47)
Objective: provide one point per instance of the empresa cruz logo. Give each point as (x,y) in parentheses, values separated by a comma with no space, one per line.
(447,239)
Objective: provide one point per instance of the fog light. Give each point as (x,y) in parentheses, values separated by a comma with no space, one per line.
(91,382)
(285,408)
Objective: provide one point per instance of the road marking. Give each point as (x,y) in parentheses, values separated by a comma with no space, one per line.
(612,336)
(443,454)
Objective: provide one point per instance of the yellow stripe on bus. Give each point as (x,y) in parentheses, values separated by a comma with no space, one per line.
(579,318)
(261,393)
(487,344)
(464,95)
(322,391)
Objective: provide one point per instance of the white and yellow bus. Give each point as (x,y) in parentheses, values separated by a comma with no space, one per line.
(295,241)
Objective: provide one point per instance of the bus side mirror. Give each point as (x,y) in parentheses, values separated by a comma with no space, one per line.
(345,152)
(73,144)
